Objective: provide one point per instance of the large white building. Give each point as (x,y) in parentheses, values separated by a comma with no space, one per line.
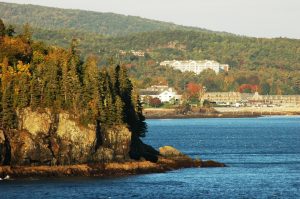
(196,66)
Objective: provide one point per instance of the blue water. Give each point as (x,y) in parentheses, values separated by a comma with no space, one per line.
(262,154)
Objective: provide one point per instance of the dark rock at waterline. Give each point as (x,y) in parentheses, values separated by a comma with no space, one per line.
(141,150)
(211,163)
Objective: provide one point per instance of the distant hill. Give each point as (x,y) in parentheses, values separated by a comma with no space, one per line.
(85,21)
(273,64)
(239,52)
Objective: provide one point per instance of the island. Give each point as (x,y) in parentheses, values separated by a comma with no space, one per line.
(61,115)
(45,147)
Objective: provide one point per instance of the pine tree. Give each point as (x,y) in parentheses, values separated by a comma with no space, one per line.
(109,99)
(2,28)
(71,87)
(9,119)
(22,87)
(27,33)
(119,107)
(116,80)
(35,94)
(102,90)
(125,94)
(51,84)
(1,108)
(10,31)
(90,90)
(74,86)
(140,122)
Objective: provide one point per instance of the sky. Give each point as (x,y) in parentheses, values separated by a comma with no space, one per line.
(257,18)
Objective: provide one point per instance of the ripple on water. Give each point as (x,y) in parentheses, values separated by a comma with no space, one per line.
(263,155)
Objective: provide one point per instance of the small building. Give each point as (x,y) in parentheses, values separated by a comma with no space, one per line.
(138,53)
(164,93)
(250,98)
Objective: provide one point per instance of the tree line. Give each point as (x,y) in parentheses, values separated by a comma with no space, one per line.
(271,64)
(38,76)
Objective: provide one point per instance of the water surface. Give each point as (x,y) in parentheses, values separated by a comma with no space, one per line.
(262,154)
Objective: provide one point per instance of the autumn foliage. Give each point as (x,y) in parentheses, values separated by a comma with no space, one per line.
(38,76)
(155,102)
(193,89)
(248,88)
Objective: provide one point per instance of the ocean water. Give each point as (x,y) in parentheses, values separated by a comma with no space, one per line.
(262,154)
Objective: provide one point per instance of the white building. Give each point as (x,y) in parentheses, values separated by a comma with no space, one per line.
(164,93)
(196,66)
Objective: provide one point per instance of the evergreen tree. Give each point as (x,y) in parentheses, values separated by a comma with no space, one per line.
(1,109)
(34,92)
(9,118)
(91,89)
(22,85)
(102,90)
(71,87)
(26,36)
(2,28)
(119,107)
(10,31)
(56,78)
(51,84)
(132,107)
(109,99)
(141,126)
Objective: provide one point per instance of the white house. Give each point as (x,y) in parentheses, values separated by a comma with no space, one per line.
(165,95)
(168,95)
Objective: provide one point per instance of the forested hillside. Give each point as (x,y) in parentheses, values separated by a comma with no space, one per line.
(270,65)
(78,20)
(38,76)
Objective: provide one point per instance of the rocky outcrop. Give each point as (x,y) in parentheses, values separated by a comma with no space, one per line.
(172,153)
(176,159)
(44,138)
(140,150)
(47,144)
(34,122)
(169,159)
(27,149)
(115,145)
(70,142)
(2,147)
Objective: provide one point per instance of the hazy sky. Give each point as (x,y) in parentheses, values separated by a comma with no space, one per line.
(260,18)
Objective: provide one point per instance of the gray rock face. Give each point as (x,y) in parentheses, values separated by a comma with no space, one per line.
(115,146)
(43,138)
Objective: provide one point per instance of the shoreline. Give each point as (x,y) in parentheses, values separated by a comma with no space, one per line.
(219,113)
(105,169)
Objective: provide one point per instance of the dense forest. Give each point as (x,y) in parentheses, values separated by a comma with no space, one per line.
(39,76)
(272,66)
(82,21)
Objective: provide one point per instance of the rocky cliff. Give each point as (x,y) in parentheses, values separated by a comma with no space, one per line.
(44,138)
(47,144)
